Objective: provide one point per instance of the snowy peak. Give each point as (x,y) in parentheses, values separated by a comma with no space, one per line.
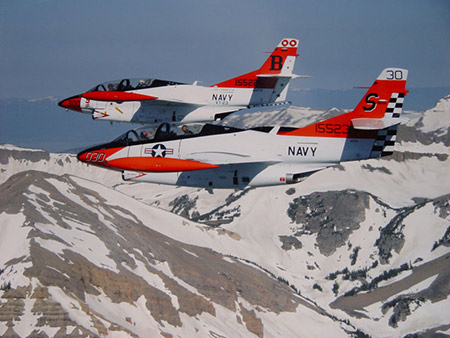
(443,104)
(14,159)
(87,259)
(437,119)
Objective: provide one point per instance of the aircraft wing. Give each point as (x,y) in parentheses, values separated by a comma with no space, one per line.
(224,158)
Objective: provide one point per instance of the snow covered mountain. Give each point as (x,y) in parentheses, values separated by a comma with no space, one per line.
(358,249)
(84,262)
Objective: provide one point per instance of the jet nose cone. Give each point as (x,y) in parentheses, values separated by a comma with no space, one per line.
(81,156)
(72,103)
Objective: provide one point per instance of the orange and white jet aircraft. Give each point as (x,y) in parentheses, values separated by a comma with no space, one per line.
(153,101)
(226,157)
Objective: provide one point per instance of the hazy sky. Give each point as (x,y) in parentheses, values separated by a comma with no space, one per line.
(61,47)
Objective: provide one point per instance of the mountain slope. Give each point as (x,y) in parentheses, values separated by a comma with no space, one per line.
(84,262)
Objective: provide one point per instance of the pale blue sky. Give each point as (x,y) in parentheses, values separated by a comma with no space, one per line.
(61,48)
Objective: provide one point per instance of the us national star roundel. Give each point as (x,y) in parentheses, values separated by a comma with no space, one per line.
(160,150)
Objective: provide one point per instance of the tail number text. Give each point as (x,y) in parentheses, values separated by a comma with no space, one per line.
(332,128)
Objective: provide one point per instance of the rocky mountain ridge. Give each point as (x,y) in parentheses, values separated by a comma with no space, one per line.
(82,255)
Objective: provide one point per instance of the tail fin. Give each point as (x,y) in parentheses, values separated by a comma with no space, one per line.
(379,109)
(385,97)
(279,65)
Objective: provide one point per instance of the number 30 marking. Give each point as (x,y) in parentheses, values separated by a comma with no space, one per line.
(395,75)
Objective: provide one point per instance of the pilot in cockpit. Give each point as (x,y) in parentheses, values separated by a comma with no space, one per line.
(141,84)
(144,135)
(186,131)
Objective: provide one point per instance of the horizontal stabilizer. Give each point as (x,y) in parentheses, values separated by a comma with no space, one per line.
(291,76)
(376,124)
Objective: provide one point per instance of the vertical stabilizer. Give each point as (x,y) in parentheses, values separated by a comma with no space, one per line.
(379,108)
(385,95)
(280,63)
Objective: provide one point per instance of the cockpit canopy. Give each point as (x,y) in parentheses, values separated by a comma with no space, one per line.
(166,132)
(132,84)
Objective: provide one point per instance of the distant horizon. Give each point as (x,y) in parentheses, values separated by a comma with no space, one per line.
(418,99)
(58,130)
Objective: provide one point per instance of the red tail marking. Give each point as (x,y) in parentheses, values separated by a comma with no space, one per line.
(373,105)
(272,65)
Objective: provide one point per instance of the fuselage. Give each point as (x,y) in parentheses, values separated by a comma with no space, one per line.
(172,102)
(154,101)
(223,157)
